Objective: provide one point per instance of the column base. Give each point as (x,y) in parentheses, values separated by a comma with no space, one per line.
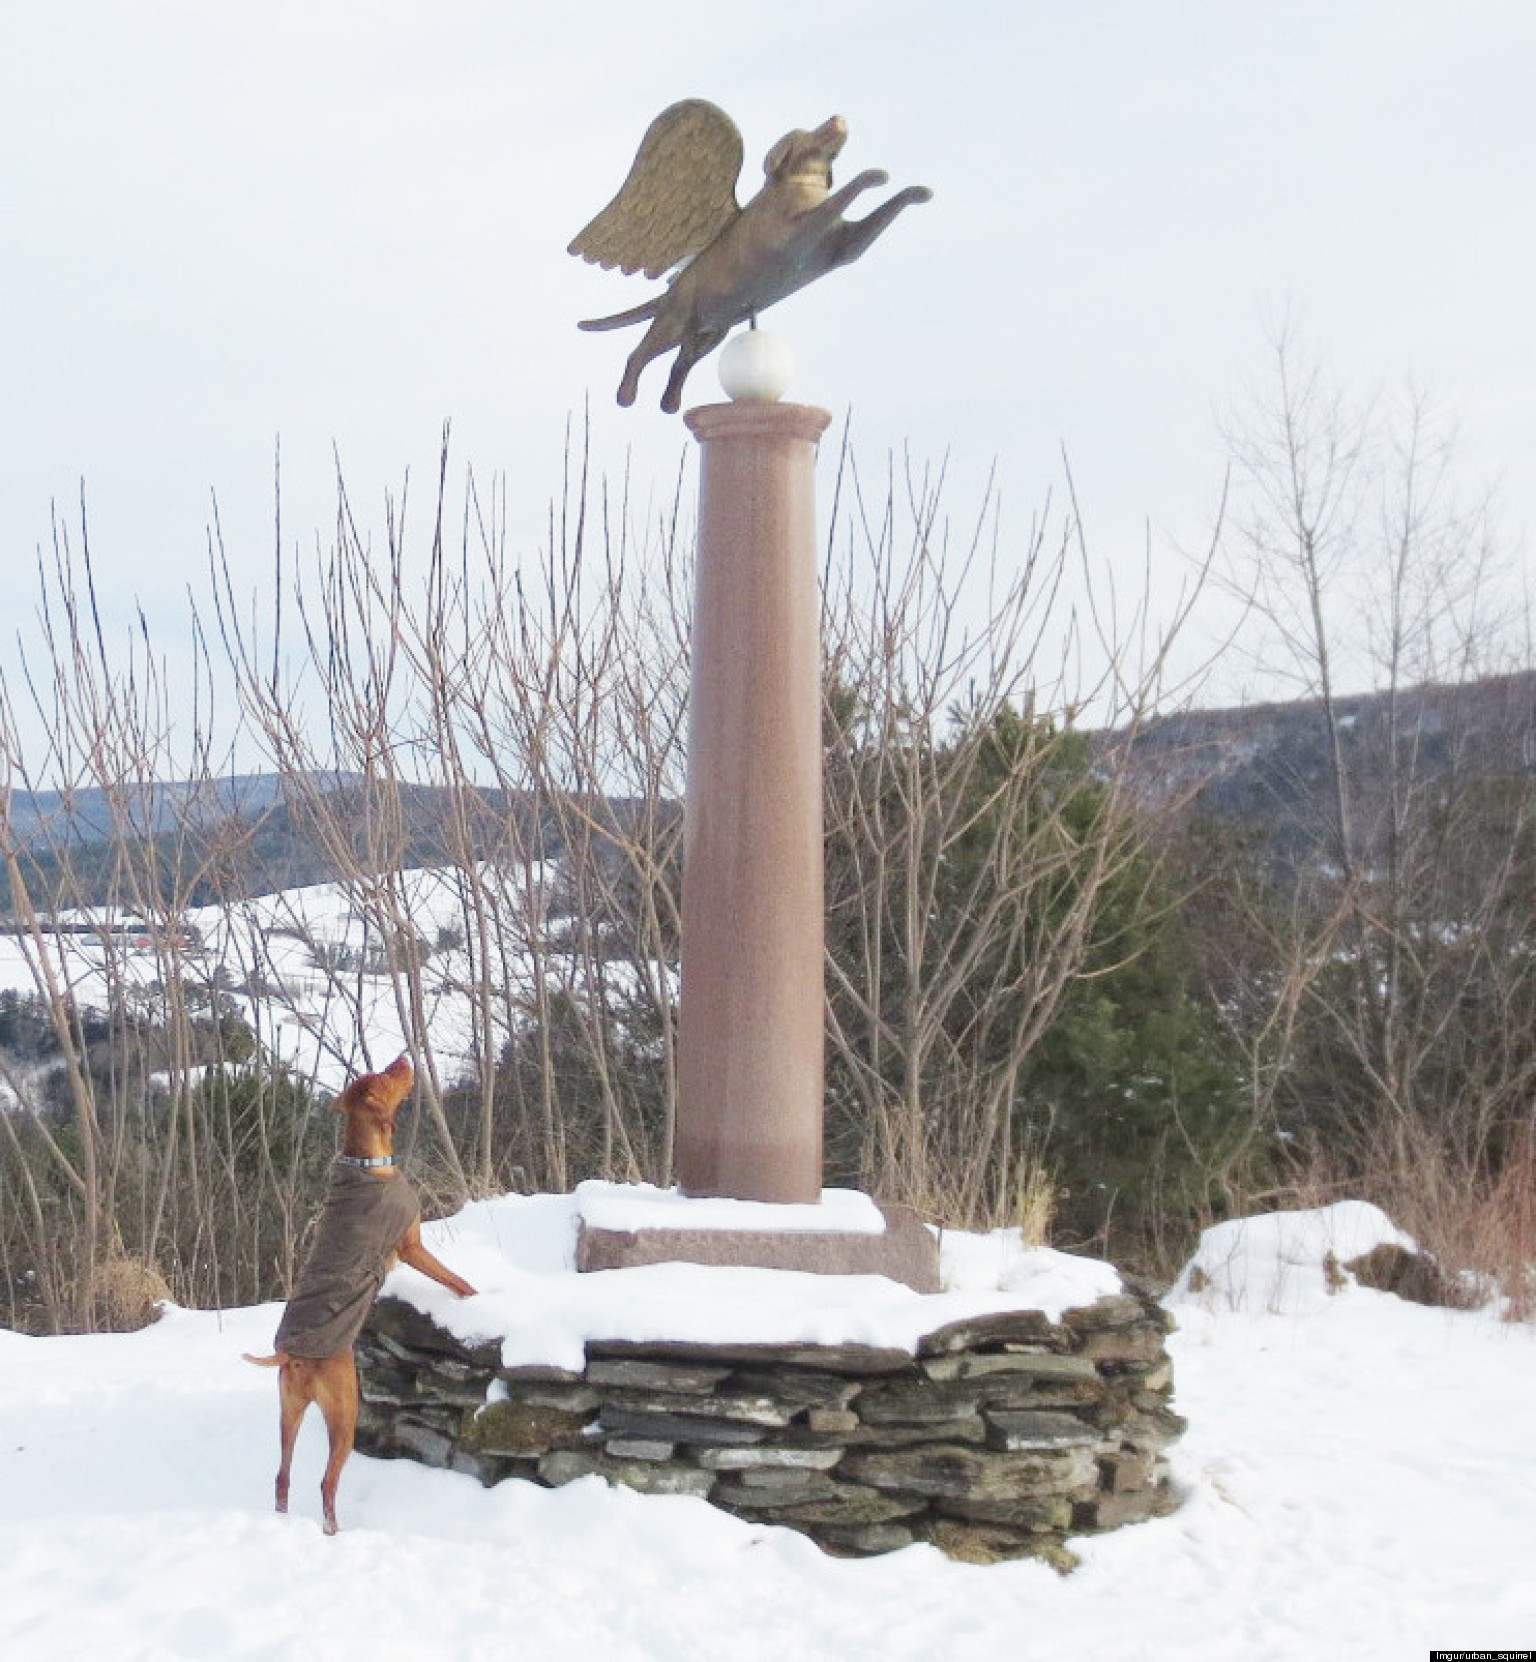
(904,1251)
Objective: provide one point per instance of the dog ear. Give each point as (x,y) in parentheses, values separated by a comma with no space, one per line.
(358,1094)
(780,154)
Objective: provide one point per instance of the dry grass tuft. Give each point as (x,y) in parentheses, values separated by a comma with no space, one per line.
(1479,1232)
(1034,1188)
(126,1294)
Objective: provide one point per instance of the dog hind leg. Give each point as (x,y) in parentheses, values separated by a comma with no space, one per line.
(336,1391)
(696,345)
(660,337)
(292,1401)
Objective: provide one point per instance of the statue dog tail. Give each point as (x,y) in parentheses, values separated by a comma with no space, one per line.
(622,320)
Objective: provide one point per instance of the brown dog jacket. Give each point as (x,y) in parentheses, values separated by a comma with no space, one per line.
(360,1227)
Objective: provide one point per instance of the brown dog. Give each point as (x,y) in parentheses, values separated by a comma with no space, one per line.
(371,1216)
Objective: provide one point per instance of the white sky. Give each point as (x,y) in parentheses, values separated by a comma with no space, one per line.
(345,224)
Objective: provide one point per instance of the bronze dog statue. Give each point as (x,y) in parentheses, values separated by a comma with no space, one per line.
(679,204)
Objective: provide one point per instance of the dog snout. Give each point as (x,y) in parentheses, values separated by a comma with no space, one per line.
(832,134)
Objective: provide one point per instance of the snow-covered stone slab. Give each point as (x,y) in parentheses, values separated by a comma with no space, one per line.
(632,1207)
(849,1407)
(902,1249)
(520,1251)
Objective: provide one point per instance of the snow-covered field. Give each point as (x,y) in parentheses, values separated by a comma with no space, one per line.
(1360,1480)
(307,971)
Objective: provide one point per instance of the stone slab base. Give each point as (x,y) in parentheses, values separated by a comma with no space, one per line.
(906,1251)
(1001,1436)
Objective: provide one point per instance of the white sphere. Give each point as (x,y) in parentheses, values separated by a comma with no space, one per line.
(756,367)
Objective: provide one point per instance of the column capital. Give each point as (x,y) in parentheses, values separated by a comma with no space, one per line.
(747,419)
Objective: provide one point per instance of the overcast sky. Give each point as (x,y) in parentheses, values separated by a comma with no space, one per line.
(341,225)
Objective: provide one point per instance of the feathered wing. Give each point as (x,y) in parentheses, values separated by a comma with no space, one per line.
(679,196)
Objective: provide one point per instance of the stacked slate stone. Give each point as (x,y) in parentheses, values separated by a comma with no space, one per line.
(1003,1434)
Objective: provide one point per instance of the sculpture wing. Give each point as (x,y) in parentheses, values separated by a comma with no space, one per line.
(679,196)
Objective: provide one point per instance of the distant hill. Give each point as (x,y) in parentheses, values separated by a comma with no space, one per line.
(1267,766)
(1264,767)
(247,835)
(88,815)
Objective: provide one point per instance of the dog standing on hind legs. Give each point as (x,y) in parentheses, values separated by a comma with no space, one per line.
(371,1217)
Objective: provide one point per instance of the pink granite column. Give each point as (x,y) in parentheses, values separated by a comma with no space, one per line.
(750,1045)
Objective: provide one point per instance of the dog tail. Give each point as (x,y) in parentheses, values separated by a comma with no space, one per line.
(268,1361)
(622,320)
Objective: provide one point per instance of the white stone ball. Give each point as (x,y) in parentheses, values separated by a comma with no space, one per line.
(756,367)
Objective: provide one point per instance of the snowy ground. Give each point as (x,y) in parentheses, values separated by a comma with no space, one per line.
(1359,1477)
(324,1022)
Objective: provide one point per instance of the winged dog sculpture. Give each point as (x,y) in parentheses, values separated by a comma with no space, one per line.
(678,209)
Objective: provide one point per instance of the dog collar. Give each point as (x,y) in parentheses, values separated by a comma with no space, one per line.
(367,1161)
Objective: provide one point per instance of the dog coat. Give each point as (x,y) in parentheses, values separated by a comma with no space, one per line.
(361,1225)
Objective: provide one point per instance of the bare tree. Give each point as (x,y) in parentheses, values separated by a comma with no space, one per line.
(971,841)
(1396,1042)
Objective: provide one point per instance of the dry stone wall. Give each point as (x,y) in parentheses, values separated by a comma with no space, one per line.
(1000,1437)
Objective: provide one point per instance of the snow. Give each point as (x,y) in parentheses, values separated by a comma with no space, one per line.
(1036,1277)
(1357,1485)
(325,1004)
(635,1206)
(519,1251)
(1284,1261)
